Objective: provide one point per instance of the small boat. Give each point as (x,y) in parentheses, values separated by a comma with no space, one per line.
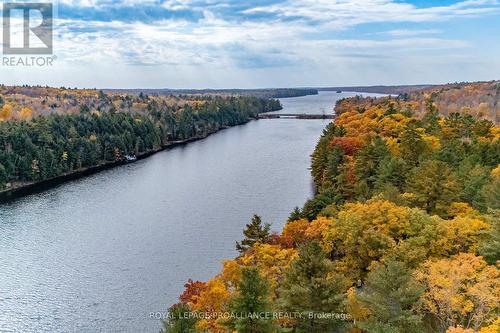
(130,158)
(339,91)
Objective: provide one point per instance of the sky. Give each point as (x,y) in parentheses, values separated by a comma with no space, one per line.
(267,43)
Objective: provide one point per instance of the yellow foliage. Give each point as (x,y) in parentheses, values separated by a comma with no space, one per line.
(366,231)
(231,273)
(495,173)
(459,329)
(271,260)
(462,234)
(25,114)
(318,228)
(432,142)
(393,125)
(493,328)
(356,308)
(461,209)
(6,112)
(460,288)
(212,300)
(393,146)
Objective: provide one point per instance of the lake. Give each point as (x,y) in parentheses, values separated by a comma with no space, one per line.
(101,253)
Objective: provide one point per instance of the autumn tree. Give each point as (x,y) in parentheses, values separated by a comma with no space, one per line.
(192,289)
(25,114)
(254,232)
(311,288)
(251,306)
(6,112)
(364,233)
(213,299)
(459,291)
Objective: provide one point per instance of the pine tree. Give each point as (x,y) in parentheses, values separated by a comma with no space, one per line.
(251,308)
(412,144)
(295,215)
(431,117)
(369,158)
(434,186)
(390,294)
(254,232)
(179,320)
(490,247)
(311,288)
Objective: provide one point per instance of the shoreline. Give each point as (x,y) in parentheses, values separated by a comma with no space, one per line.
(26,189)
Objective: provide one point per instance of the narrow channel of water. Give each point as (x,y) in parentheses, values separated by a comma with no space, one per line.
(101,253)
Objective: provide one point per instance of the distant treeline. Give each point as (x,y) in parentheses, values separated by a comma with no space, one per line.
(390,90)
(56,144)
(263,93)
(478,99)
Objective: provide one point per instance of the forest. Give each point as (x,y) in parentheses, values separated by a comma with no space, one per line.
(48,132)
(403,234)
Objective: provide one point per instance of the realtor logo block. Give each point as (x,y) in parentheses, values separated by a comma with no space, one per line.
(34,31)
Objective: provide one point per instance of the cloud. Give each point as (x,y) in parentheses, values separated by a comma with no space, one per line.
(408,32)
(195,36)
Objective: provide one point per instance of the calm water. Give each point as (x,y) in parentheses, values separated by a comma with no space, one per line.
(101,253)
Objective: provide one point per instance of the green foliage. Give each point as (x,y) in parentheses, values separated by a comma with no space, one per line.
(434,186)
(3,176)
(490,247)
(369,159)
(310,287)
(179,320)
(49,146)
(314,206)
(412,144)
(295,215)
(390,294)
(251,307)
(254,232)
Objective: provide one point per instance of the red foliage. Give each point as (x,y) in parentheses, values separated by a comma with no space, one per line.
(349,145)
(274,239)
(193,288)
(294,234)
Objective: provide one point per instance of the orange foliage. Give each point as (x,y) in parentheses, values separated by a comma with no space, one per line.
(350,145)
(192,291)
(294,233)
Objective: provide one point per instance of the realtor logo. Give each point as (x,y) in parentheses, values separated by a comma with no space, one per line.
(36,34)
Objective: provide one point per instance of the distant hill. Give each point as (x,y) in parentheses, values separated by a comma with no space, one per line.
(264,93)
(480,99)
(390,90)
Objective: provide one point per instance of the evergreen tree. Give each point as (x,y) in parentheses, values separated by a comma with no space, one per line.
(335,159)
(390,294)
(179,320)
(251,307)
(391,171)
(434,187)
(295,215)
(254,232)
(369,159)
(412,144)
(490,247)
(431,117)
(311,288)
